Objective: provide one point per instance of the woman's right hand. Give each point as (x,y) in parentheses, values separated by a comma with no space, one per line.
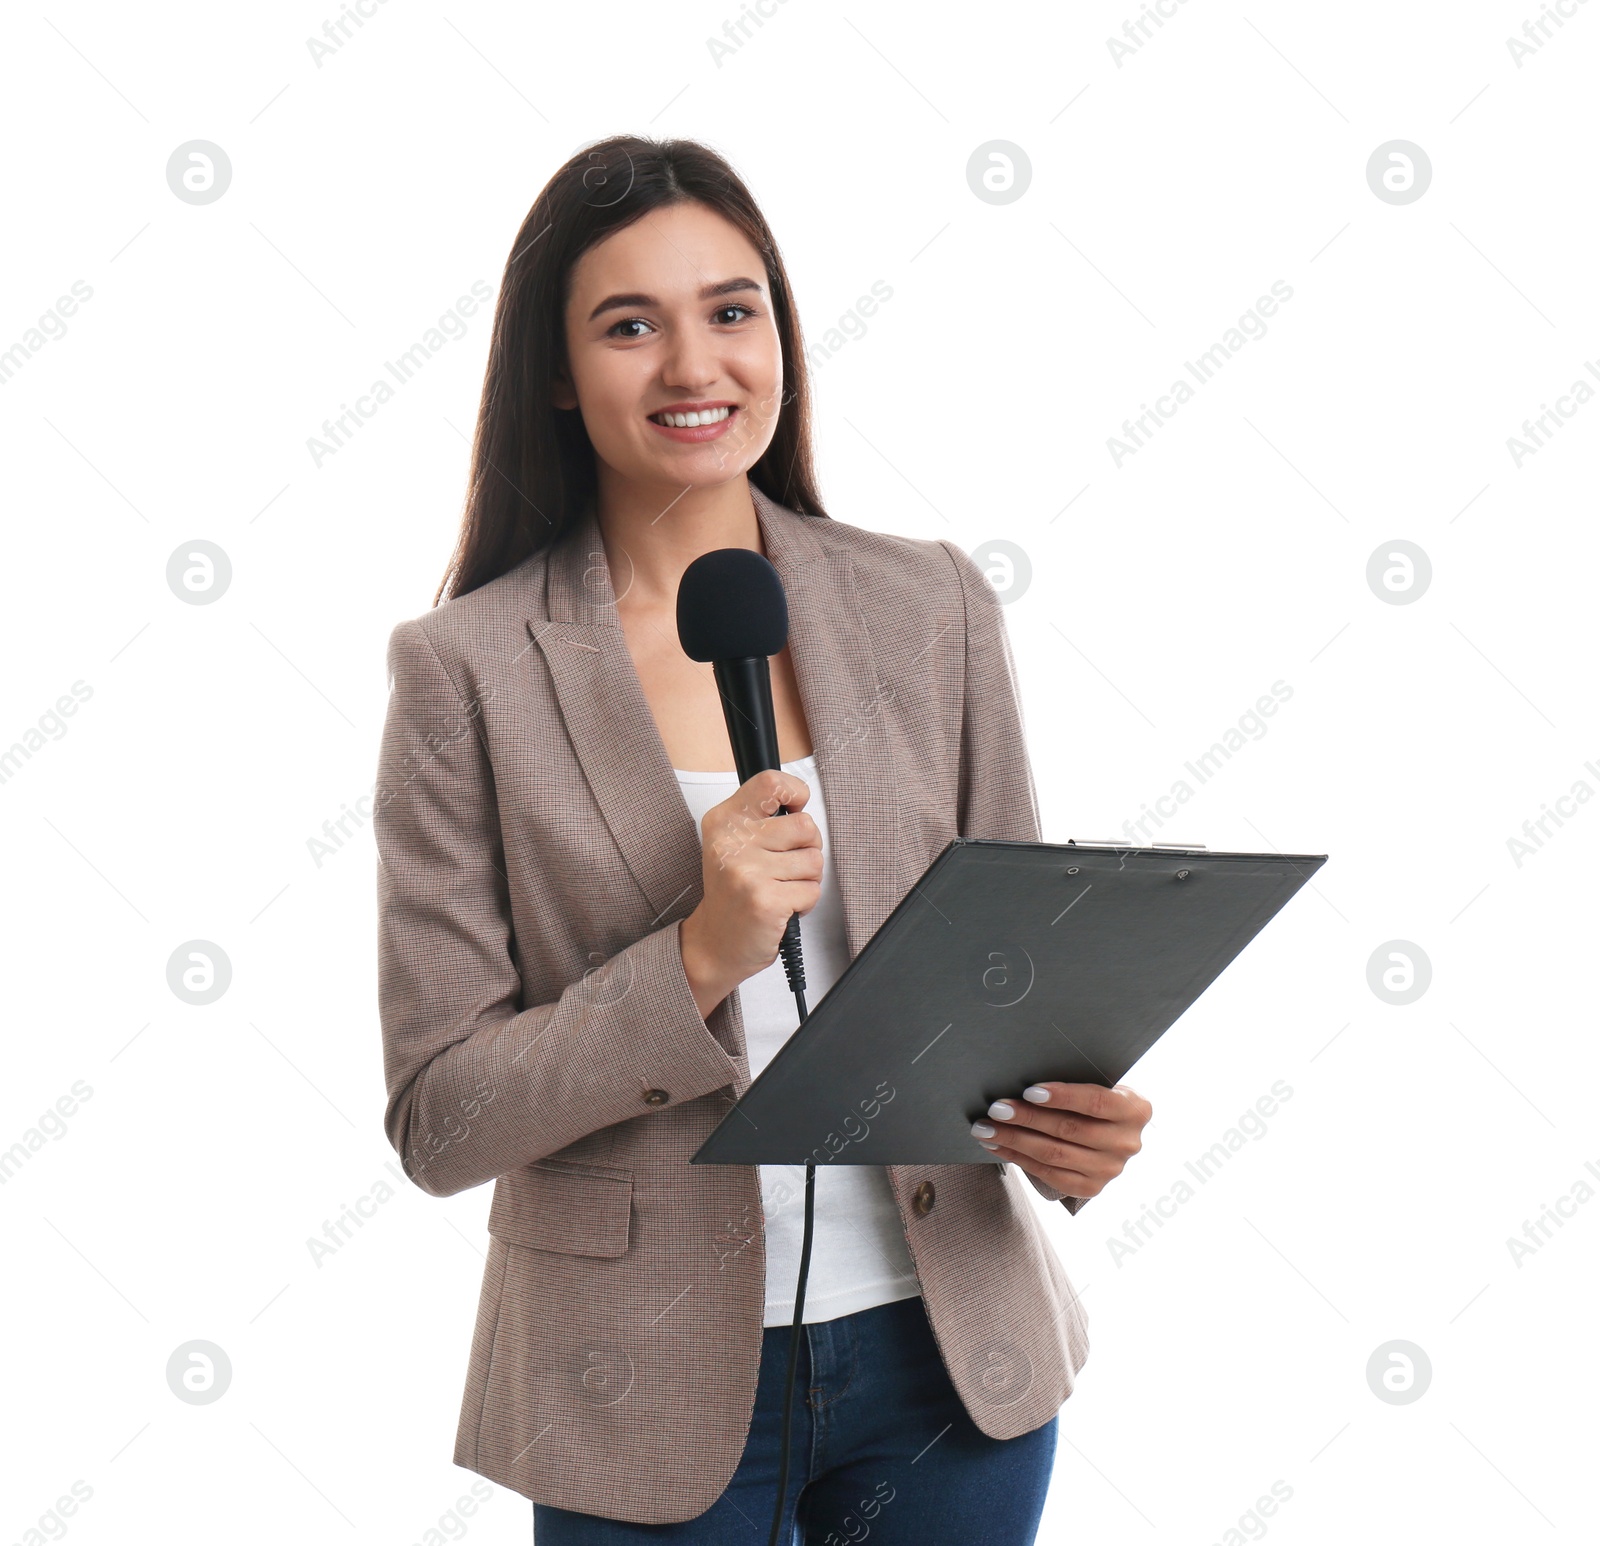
(757,868)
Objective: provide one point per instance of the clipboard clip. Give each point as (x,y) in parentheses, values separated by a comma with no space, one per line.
(1117,842)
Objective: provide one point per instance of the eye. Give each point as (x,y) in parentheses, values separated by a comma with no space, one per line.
(738,306)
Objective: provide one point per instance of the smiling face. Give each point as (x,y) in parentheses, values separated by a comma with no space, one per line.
(675,359)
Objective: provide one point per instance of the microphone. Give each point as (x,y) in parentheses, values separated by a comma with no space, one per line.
(732,611)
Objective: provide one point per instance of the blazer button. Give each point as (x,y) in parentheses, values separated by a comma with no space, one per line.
(922,1198)
(655,1097)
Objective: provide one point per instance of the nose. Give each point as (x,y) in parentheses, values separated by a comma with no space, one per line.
(691,365)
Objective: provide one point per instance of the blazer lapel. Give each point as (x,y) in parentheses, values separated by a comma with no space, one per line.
(625,761)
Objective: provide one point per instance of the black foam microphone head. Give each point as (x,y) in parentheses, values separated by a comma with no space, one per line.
(731,605)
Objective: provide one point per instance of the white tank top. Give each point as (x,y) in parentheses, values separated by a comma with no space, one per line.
(859,1256)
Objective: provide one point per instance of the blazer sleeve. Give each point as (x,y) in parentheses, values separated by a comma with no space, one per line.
(476,1085)
(995,796)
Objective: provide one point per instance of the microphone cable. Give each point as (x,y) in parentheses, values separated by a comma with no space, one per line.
(794,968)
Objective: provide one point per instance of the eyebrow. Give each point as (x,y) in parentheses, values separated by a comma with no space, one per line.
(710,292)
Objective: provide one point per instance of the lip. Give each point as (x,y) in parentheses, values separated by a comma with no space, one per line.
(698,432)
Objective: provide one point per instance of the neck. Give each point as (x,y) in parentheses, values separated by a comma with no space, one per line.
(650,540)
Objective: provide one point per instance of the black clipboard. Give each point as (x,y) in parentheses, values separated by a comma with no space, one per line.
(1005,963)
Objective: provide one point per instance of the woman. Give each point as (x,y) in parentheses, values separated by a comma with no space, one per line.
(576,983)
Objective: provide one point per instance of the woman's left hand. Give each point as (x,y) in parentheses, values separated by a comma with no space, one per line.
(1074,1137)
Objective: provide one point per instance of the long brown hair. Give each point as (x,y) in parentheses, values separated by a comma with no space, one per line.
(533,465)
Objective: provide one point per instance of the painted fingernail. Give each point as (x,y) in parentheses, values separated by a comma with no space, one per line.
(983,1145)
(982,1130)
(1002,1109)
(1036,1092)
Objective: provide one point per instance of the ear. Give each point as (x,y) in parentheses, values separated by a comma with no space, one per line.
(561,393)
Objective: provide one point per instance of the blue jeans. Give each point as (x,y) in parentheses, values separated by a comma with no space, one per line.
(881,1447)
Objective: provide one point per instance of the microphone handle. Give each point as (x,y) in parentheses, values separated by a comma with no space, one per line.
(745,686)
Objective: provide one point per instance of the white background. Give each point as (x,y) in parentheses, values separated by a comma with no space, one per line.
(1168,593)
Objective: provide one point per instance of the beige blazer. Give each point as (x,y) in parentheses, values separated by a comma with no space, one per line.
(535,861)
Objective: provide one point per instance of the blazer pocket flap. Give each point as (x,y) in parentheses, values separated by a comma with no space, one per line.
(555,1205)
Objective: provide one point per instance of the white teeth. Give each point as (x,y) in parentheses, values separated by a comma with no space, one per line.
(690,420)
